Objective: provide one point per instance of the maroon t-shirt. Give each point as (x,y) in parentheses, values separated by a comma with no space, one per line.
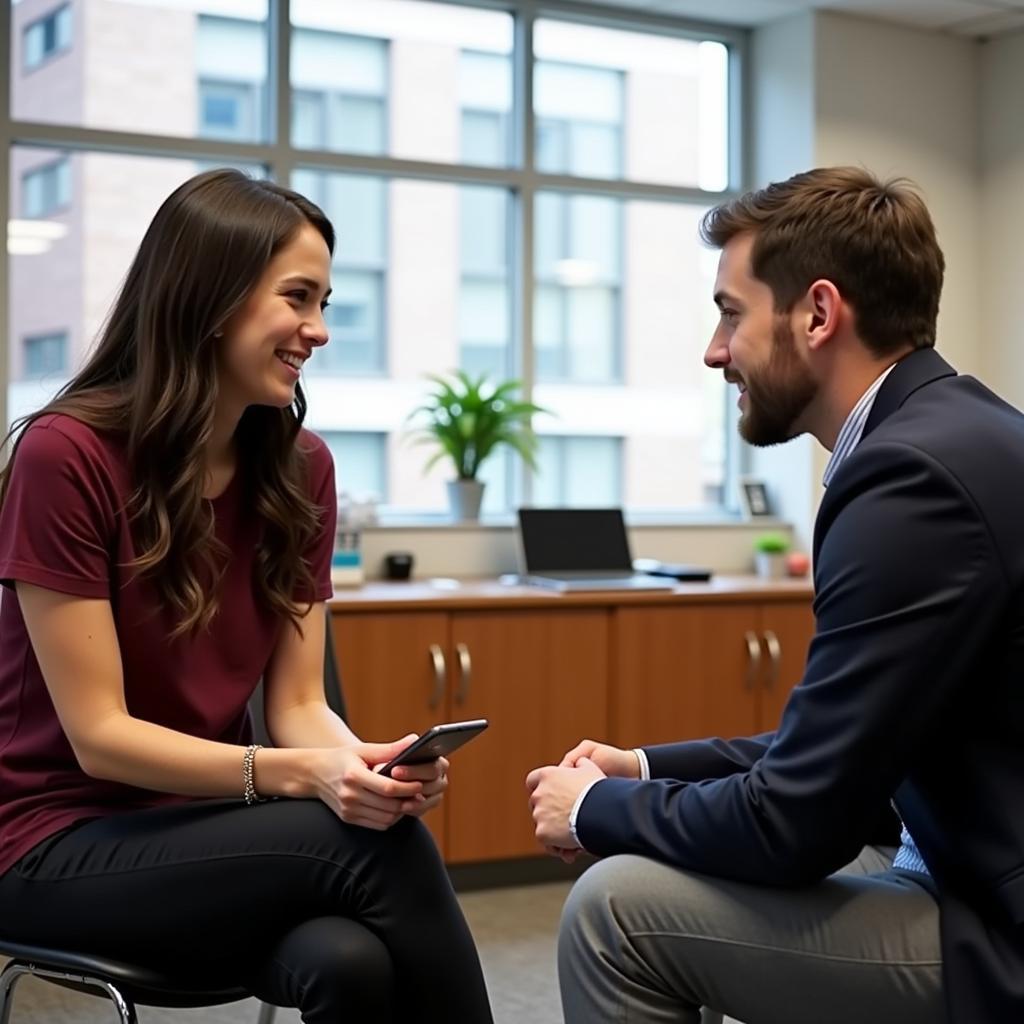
(64,526)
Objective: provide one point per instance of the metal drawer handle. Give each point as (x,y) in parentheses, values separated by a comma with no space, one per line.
(771,641)
(440,674)
(465,673)
(753,657)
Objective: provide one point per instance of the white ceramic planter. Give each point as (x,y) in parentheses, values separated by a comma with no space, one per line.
(464,498)
(770,566)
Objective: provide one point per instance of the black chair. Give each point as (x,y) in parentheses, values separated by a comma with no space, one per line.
(129,984)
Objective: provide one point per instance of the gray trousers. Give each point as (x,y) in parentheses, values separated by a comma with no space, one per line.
(643,943)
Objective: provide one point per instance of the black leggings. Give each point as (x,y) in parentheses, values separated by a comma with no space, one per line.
(345,923)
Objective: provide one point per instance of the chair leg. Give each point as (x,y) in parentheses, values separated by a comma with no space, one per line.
(16,970)
(267,1011)
(8,979)
(125,1007)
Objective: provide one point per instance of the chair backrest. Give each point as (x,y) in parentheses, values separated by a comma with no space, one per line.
(332,691)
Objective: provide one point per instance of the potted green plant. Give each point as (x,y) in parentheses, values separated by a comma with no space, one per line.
(468,419)
(770,555)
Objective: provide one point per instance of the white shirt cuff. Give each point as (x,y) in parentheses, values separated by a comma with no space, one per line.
(574,813)
(645,765)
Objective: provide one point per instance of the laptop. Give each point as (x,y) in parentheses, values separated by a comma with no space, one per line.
(574,549)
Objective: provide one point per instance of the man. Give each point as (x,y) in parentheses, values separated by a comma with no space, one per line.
(718,886)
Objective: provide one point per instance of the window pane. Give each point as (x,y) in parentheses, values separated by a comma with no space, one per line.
(595,151)
(483,138)
(578,471)
(355,319)
(485,97)
(578,255)
(308,120)
(423,65)
(357,124)
(483,229)
(591,334)
(431,313)
(619,347)
(228,110)
(644,107)
(359,463)
(63,27)
(67,263)
(45,188)
(595,235)
(174,49)
(35,41)
(45,355)
(550,239)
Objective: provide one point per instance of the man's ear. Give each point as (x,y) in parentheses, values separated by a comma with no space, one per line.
(823,307)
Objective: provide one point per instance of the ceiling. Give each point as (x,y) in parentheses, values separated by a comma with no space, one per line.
(978,18)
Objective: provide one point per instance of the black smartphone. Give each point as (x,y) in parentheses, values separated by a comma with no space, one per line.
(437,742)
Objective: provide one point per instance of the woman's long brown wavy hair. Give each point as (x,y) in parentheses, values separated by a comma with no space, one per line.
(152,379)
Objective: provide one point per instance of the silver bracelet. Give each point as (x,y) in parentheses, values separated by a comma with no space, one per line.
(249,791)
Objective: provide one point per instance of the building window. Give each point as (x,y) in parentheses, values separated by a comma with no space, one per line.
(47,189)
(578,471)
(47,36)
(355,318)
(485,99)
(578,253)
(579,120)
(339,101)
(484,308)
(229,110)
(360,463)
(46,355)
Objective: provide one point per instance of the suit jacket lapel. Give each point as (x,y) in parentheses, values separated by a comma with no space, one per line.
(913,371)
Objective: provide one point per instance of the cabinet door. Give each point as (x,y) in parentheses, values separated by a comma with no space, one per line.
(684,673)
(393,674)
(787,629)
(541,680)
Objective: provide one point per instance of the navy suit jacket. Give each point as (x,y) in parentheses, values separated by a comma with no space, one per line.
(913,692)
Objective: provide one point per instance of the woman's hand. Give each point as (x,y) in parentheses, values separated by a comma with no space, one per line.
(434,778)
(347,783)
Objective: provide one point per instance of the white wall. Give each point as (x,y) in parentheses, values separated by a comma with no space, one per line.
(1002,215)
(833,89)
(904,102)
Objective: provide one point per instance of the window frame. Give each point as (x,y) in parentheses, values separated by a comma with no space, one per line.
(520,177)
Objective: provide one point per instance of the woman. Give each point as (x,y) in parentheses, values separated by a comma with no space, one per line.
(166,529)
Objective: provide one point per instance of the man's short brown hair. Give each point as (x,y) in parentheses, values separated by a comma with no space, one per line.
(873,240)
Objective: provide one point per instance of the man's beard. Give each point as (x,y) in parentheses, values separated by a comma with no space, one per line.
(778,393)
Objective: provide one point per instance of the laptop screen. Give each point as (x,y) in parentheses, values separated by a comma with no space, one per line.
(574,540)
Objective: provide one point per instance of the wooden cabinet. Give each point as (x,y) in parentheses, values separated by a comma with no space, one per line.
(694,671)
(539,677)
(548,670)
(394,677)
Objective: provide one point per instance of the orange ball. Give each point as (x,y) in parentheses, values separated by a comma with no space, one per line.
(797,563)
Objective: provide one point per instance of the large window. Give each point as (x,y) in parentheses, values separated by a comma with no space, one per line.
(556,245)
